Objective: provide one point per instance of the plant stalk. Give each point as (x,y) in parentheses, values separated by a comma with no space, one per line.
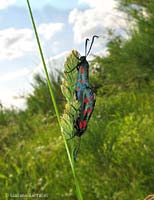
(78,191)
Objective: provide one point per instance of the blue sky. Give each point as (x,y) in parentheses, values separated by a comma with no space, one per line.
(62,26)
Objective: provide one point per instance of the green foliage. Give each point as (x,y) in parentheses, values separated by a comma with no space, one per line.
(138,2)
(115,155)
(7,116)
(130,63)
(40,101)
(3,120)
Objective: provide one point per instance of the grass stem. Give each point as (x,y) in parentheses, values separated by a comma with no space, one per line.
(78,191)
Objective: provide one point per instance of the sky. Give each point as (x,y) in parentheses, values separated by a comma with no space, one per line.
(62,26)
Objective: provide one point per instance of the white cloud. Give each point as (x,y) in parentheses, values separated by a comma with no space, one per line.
(50,29)
(102,53)
(11,94)
(54,62)
(14,75)
(8,99)
(5,3)
(100,16)
(100,4)
(14,43)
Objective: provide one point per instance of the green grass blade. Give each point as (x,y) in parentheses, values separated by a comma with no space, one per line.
(79,194)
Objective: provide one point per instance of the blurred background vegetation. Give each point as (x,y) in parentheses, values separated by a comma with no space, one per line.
(116,159)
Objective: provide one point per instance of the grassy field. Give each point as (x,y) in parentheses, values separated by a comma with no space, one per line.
(114,162)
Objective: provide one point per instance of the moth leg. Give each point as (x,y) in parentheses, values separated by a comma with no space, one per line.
(76,150)
(71,70)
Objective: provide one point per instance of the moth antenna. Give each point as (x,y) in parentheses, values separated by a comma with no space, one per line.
(86,43)
(95,36)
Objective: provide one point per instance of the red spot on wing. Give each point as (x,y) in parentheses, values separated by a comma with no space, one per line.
(84,123)
(80,125)
(86,100)
(82,81)
(84,112)
(78,89)
(82,70)
(89,110)
(91,97)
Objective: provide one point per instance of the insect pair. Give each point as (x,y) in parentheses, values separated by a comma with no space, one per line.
(84,93)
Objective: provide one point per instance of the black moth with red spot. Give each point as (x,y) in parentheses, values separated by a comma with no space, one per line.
(84,93)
